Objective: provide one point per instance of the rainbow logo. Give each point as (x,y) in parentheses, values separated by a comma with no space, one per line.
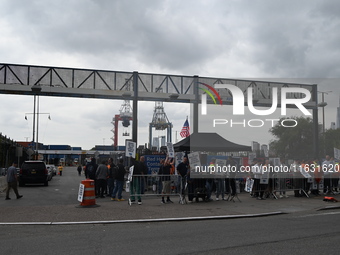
(210,94)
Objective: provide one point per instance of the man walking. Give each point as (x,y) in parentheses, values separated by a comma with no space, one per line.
(12,181)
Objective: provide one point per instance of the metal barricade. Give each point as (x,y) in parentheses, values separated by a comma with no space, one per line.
(293,182)
(141,186)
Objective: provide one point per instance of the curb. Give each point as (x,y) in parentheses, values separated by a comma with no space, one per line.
(329,208)
(148,220)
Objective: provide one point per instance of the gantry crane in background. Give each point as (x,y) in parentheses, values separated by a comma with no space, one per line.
(160,122)
(125,116)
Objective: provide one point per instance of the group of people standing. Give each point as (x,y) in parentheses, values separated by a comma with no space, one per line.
(302,176)
(108,177)
(206,186)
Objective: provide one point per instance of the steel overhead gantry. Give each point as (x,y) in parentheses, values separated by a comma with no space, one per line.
(88,83)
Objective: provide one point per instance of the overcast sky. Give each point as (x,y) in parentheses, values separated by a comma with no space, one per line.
(226,39)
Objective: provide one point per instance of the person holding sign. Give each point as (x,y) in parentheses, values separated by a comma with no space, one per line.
(166,181)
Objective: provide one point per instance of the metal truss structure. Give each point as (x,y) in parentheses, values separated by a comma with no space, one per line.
(86,83)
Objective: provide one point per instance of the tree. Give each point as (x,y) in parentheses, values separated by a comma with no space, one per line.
(293,142)
(328,141)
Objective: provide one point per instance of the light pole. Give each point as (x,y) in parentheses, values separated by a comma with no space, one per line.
(36,89)
(323,104)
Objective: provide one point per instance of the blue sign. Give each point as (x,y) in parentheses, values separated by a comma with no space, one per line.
(153,162)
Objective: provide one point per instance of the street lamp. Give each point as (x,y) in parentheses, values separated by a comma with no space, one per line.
(36,89)
(323,104)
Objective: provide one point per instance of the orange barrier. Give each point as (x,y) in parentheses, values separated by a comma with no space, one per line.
(89,197)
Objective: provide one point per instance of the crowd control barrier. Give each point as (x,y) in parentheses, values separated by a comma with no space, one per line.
(140,186)
(277,185)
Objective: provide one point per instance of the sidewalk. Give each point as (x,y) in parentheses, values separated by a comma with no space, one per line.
(152,208)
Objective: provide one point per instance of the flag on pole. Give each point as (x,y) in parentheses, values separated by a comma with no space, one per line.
(185,132)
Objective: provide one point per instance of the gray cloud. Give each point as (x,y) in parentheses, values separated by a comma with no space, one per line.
(271,39)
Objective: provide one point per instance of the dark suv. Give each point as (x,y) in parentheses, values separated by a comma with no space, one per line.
(33,172)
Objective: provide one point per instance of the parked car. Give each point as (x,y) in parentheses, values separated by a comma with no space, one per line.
(33,172)
(53,169)
(50,171)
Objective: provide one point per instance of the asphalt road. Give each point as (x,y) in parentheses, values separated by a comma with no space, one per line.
(316,233)
(297,232)
(61,190)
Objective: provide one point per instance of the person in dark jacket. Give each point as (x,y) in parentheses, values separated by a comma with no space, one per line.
(182,170)
(90,171)
(111,178)
(119,179)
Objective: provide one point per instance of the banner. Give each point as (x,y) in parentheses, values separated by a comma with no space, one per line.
(153,163)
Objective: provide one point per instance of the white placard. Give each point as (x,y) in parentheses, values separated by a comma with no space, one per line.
(130,173)
(171,151)
(179,158)
(130,150)
(336,153)
(304,173)
(194,160)
(249,185)
(81,192)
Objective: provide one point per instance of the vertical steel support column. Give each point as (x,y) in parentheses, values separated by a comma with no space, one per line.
(115,140)
(34,107)
(169,133)
(315,121)
(195,109)
(135,108)
(150,136)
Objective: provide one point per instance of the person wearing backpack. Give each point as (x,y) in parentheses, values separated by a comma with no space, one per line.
(90,169)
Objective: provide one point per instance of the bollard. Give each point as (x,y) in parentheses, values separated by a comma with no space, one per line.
(89,197)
